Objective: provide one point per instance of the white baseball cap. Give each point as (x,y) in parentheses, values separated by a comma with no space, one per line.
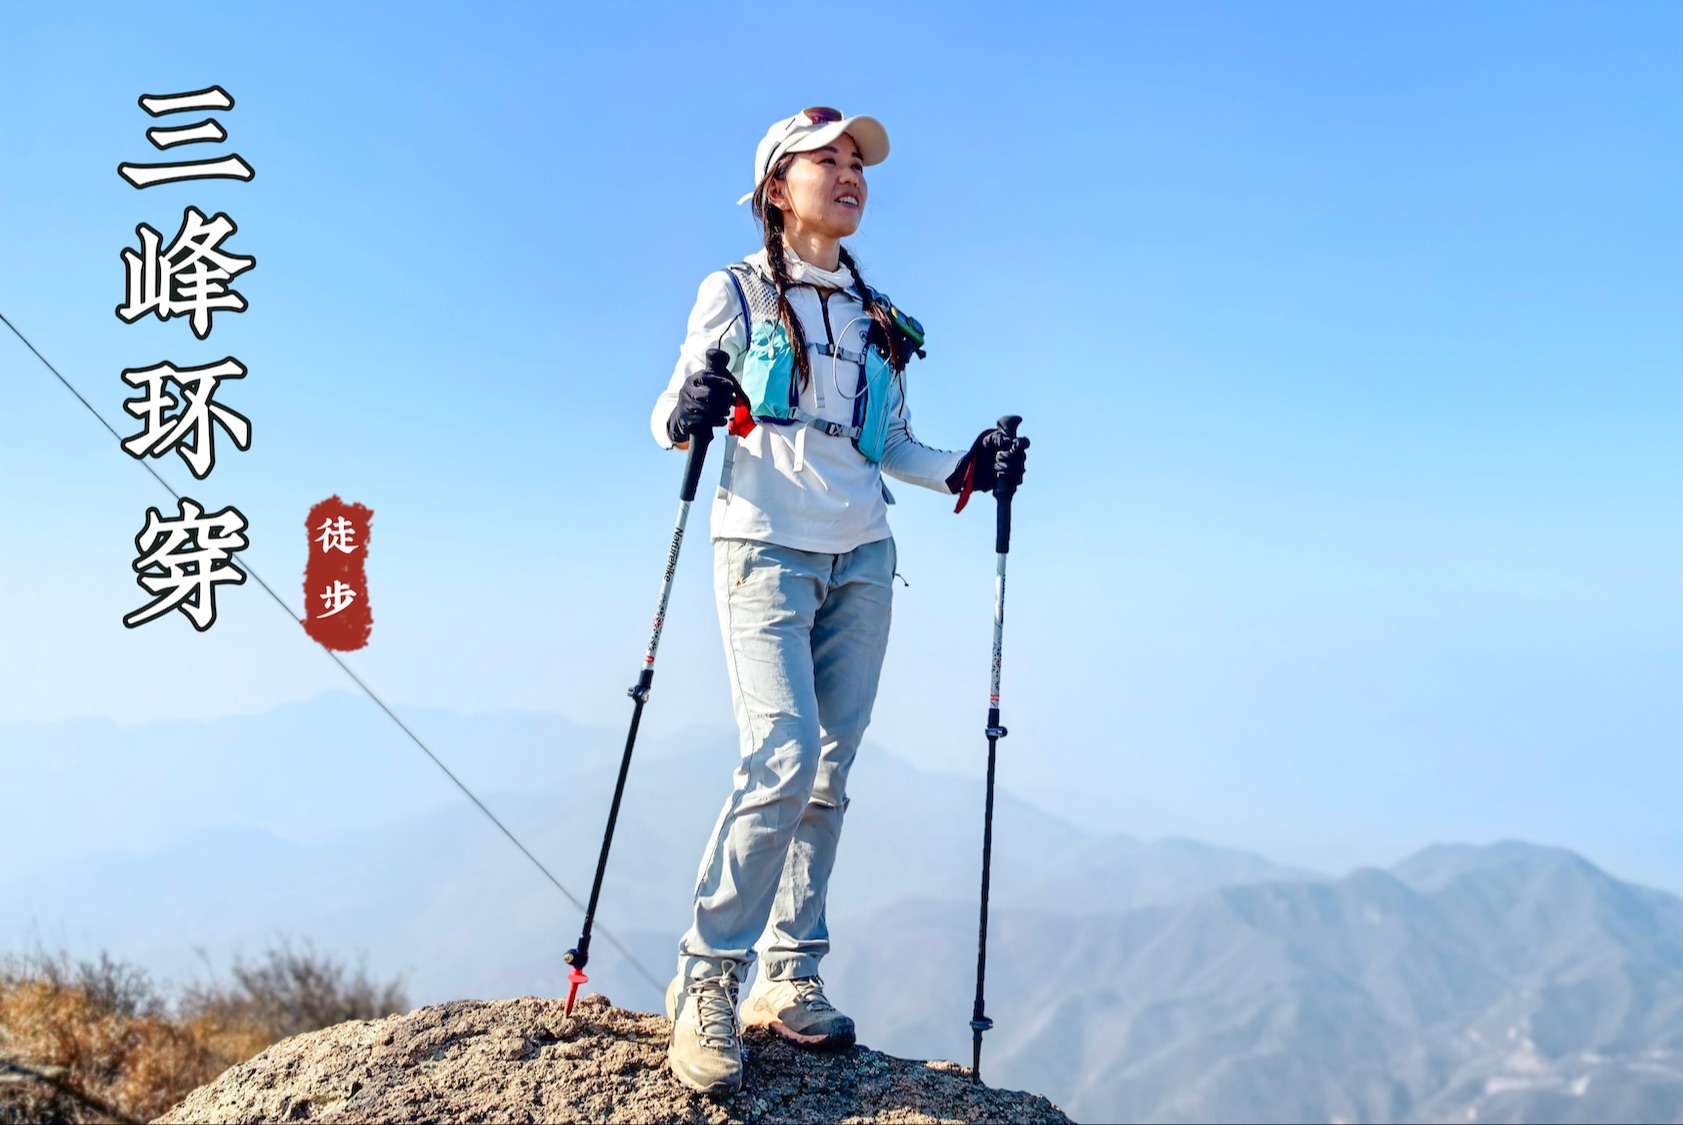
(814,128)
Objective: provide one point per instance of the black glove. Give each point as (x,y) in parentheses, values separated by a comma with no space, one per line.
(994,459)
(704,402)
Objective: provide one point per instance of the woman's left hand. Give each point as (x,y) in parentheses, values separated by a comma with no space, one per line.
(1009,460)
(995,458)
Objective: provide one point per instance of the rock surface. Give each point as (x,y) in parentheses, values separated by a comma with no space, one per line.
(520,1060)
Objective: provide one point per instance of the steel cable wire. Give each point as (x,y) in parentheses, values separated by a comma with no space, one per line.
(480,805)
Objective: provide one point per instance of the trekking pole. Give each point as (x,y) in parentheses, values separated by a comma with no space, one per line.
(579,956)
(979,1021)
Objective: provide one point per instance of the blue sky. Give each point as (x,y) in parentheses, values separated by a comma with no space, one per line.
(1347,336)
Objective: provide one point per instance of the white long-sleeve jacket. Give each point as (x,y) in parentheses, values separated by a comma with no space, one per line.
(793,485)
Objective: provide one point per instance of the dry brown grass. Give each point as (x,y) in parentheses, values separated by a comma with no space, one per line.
(102,1028)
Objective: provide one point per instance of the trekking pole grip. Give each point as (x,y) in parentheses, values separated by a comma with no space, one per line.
(718,362)
(1003,492)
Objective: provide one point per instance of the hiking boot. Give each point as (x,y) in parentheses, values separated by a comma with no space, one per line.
(797,1009)
(706,1051)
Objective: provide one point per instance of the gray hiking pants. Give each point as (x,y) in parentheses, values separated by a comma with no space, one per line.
(805,635)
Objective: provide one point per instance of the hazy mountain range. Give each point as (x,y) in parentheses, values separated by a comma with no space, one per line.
(1163,981)
(427,885)
(1505,983)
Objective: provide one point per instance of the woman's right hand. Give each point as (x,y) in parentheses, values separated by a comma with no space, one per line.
(704,402)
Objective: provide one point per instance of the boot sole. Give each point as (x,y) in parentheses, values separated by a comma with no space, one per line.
(720,1087)
(836,1041)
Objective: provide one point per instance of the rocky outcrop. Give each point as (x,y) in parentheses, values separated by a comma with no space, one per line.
(522,1060)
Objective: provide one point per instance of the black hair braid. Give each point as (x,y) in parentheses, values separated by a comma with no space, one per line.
(771,218)
(780,277)
(879,315)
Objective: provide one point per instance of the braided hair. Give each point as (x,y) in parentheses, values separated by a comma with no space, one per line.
(882,321)
(771,221)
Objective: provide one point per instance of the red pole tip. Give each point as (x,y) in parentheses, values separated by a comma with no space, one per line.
(574,979)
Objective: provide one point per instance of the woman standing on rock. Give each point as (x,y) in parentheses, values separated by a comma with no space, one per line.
(804,561)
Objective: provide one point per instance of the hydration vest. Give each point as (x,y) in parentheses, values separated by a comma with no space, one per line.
(768,371)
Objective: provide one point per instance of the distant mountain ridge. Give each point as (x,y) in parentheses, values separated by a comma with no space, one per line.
(1507,983)
(307,770)
(414,875)
(1162,981)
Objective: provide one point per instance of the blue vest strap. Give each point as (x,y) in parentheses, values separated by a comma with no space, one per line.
(742,299)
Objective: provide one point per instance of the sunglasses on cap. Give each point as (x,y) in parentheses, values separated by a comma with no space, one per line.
(812,115)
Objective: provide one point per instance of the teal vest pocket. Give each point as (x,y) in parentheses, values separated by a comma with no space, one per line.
(870,409)
(768,372)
